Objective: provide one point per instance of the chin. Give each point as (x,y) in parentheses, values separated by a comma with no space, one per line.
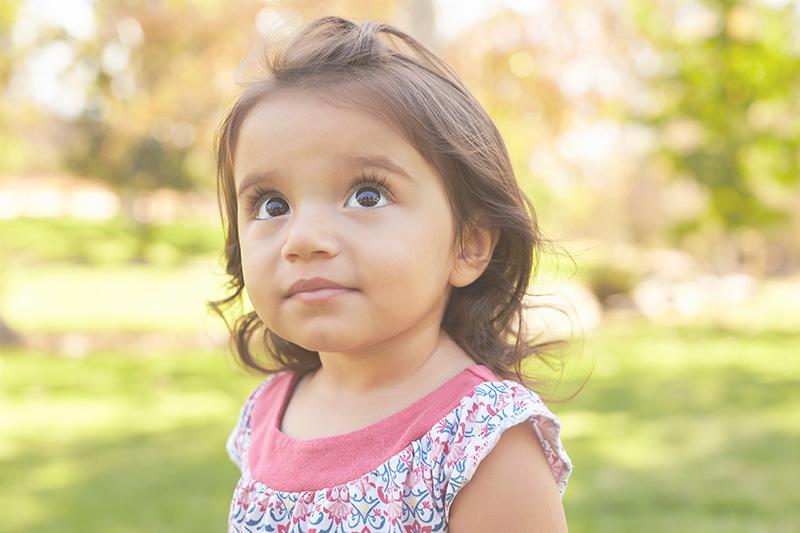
(320,342)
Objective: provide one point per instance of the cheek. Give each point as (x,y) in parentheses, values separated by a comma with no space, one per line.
(257,268)
(247,261)
(413,261)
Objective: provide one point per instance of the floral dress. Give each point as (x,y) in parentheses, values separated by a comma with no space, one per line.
(399,474)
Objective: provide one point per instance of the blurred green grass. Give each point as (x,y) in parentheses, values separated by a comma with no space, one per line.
(77,275)
(117,441)
(687,429)
(80,275)
(107,242)
(693,428)
(65,297)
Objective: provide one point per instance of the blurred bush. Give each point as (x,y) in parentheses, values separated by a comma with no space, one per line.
(106,242)
(606,280)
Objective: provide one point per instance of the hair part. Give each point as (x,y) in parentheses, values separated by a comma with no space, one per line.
(365,68)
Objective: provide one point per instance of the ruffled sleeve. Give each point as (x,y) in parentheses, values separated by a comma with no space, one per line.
(482,418)
(236,444)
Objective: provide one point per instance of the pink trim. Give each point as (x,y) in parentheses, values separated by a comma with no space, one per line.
(293,465)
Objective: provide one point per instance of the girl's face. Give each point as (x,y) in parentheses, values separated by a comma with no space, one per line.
(390,243)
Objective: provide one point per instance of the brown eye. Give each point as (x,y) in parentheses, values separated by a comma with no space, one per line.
(274,207)
(369,196)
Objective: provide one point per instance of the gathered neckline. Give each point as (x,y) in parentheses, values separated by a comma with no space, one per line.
(374,427)
(290,464)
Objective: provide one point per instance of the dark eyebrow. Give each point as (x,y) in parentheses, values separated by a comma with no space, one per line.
(253,178)
(378,161)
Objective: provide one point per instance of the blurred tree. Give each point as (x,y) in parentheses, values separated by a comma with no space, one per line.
(502,62)
(162,70)
(10,145)
(159,76)
(727,109)
(7,14)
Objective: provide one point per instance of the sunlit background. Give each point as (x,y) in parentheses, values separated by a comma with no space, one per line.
(658,140)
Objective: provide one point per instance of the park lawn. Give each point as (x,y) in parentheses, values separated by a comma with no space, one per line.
(117,442)
(686,429)
(57,297)
(678,429)
(61,297)
(108,242)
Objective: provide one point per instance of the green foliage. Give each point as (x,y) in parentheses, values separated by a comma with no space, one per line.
(151,112)
(605,279)
(14,153)
(8,10)
(106,242)
(733,89)
(131,163)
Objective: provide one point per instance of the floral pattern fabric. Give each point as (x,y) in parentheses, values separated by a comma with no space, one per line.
(413,490)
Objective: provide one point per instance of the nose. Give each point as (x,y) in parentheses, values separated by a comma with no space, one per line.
(309,233)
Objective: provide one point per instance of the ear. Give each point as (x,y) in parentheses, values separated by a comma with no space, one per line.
(472,260)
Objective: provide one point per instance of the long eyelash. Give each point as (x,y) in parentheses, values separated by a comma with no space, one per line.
(373,178)
(258,192)
(253,195)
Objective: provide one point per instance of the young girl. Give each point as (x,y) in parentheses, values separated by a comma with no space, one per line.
(374,220)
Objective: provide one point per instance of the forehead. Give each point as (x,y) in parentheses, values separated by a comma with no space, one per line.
(288,129)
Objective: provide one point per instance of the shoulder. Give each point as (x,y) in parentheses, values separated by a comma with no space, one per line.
(236,441)
(504,463)
(261,387)
(512,490)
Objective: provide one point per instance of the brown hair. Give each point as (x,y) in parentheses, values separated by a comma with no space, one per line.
(419,94)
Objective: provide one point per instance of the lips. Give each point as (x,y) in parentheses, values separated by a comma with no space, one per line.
(313,284)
